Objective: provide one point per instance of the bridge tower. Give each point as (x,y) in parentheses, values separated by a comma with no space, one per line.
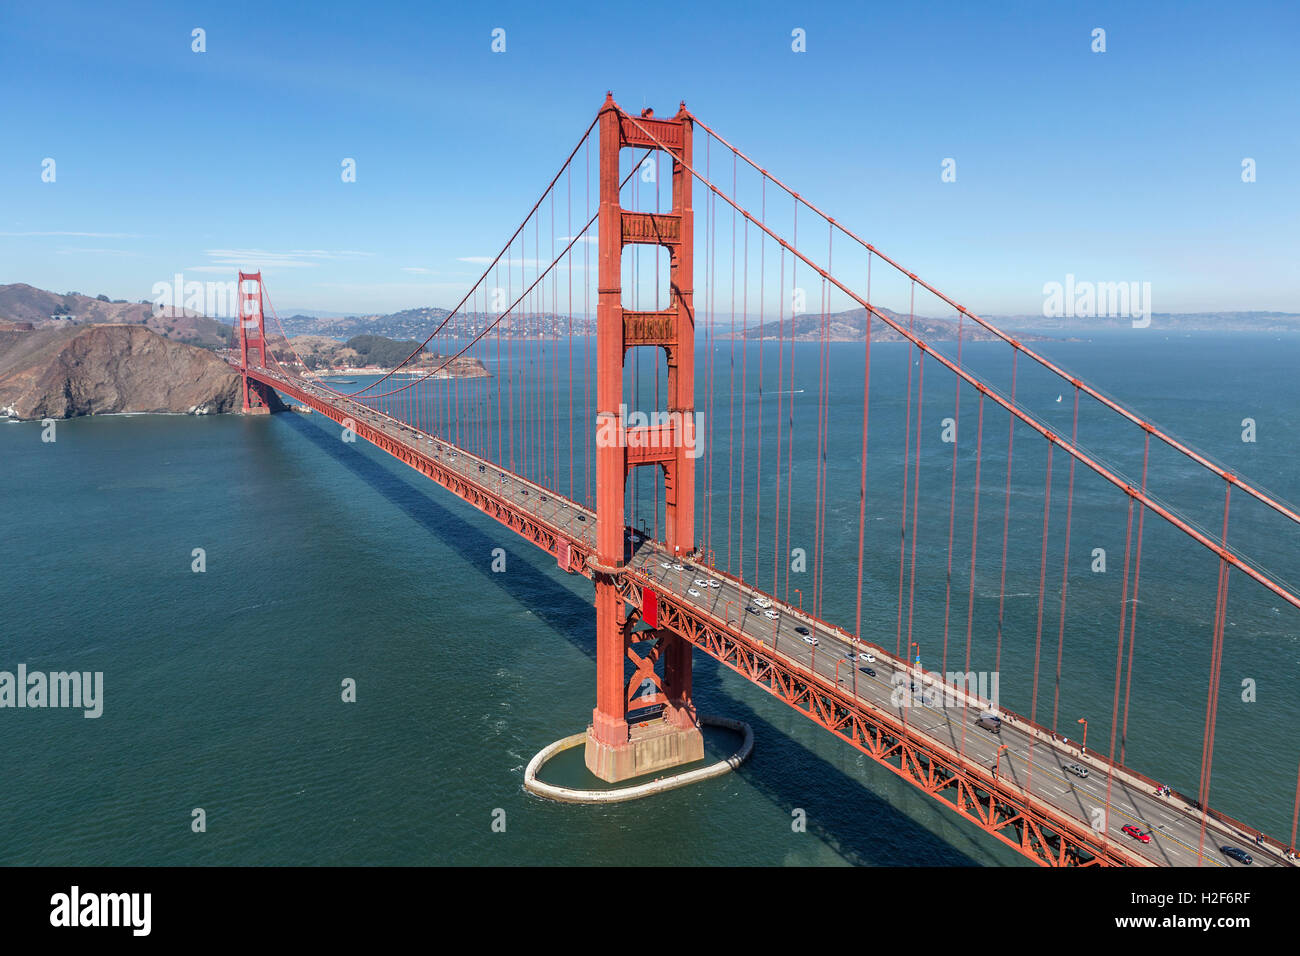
(251,330)
(618,748)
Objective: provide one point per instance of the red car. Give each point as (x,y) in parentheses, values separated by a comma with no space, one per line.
(1137,834)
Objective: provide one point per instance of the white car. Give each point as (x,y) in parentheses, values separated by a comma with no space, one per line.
(762,602)
(701,583)
(810,640)
(771,615)
(692,592)
(867,658)
(678,567)
(713,583)
(665,565)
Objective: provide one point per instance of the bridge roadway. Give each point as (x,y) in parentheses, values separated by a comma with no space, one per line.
(1032,761)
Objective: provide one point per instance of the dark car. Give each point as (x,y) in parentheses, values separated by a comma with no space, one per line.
(1238,854)
(868,671)
(802,630)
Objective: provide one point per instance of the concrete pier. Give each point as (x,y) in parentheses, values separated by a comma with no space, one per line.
(660,785)
(651,746)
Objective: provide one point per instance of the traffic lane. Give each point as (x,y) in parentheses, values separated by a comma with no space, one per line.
(1040,771)
(1055,787)
(1175,836)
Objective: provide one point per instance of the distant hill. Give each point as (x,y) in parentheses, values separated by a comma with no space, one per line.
(21,303)
(321,353)
(418,323)
(1169,321)
(842,326)
(851,326)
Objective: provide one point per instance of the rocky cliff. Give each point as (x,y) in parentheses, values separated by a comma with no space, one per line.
(100,369)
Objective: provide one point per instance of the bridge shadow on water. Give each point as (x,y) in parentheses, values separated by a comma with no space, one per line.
(842,811)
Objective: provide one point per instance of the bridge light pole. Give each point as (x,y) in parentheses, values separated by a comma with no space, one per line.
(997,765)
(800,593)
(1083,748)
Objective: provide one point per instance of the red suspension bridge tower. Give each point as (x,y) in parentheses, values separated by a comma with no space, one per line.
(617,748)
(252,338)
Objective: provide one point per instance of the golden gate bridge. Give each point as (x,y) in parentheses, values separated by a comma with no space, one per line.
(690,527)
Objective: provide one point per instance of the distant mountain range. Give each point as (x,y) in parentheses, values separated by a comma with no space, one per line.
(849,325)
(21,304)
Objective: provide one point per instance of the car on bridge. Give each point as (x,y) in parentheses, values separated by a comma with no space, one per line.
(867,658)
(810,640)
(1077,770)
(988,721)
(1135,833)
(868,671)
(1238,854)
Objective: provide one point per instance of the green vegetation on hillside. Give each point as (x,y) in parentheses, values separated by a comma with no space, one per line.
(377,350)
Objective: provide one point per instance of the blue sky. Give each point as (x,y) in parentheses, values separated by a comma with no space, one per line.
(1123,165)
